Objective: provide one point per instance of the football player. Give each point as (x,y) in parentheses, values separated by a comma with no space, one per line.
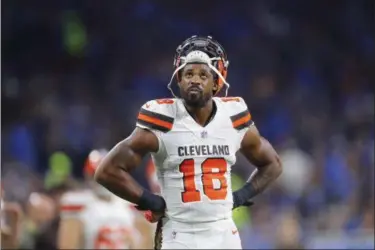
(11,221)
(94,218)
(193,140)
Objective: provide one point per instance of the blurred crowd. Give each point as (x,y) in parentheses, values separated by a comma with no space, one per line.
(75,73)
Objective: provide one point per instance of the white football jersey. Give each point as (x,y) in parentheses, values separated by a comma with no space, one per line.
(107,224)
(194,162)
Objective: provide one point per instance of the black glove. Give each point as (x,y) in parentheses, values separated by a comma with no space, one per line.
(237,202)
(247,203)
(152,202)
(243,196)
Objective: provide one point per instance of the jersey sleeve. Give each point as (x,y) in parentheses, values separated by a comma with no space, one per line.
(157,116)
(239,114)
(72,205)
(240,117)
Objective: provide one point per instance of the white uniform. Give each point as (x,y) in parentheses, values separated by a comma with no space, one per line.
(107,224)
(2,216)
(193,166)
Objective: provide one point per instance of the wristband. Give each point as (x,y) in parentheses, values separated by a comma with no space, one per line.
(243,195)
(150,201)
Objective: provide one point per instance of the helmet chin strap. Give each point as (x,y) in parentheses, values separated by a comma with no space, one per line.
(171,81)
(197,56)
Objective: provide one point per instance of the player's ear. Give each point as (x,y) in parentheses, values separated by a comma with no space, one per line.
(179,79)
(214,88)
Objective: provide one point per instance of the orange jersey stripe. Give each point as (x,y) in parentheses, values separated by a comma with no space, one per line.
(155,121)
(242,120)
(72,208)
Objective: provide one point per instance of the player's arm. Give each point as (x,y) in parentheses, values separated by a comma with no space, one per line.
(263,156)
(113,171)
(71,229)
(70,234)
(146,230)
(10,233)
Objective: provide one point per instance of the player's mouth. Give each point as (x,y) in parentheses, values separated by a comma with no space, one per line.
(195,90)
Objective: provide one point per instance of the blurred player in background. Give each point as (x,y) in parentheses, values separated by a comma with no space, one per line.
(46,236)
(10,216)
(193,141)
(94,218)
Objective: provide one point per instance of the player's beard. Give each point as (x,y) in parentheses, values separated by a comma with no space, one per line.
(195,100)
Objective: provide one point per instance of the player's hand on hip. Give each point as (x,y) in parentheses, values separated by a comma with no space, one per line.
(247,203)
(152,202)
(153,207)
(153,216)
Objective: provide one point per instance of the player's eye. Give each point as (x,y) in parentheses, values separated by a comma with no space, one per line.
(203,75)
(189,74)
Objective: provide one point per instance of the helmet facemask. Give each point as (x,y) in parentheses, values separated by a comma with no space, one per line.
(202,50)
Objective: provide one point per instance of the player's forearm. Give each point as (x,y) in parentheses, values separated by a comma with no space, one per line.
(263,176)
(121,184)
(70,234)
(259,180)
(113,173)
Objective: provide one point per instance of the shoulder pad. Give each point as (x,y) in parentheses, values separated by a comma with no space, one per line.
(157,115)
(238,112)
(75,202)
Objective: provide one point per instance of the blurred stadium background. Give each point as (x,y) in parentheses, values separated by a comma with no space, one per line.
(74,74)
